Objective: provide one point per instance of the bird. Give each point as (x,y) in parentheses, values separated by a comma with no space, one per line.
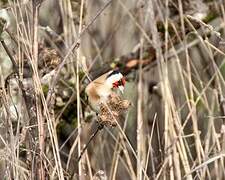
(99,90)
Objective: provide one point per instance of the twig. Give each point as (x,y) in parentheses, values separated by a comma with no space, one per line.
(38,132)
(100,127)
(28,98)
(75,45)
(16,69)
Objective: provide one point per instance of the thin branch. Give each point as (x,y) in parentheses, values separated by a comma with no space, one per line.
(16,70)
(75,45)
(100,127)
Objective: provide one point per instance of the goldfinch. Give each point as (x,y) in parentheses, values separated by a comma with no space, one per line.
(99,89)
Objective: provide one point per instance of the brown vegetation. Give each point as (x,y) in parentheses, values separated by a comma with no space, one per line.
(172,54)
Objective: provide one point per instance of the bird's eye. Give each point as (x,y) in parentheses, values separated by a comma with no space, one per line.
(122,82)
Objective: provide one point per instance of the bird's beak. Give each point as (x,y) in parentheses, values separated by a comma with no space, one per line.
(121,88)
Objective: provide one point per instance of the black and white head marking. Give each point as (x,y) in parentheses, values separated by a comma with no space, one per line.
(113,77)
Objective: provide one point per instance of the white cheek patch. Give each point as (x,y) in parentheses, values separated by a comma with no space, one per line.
(113,78)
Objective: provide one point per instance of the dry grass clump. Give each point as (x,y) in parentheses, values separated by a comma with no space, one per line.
(112,110)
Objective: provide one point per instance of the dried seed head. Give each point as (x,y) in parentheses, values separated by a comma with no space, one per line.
(112,110)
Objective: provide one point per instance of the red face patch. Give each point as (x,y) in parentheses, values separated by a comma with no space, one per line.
(116,84)
(121,82)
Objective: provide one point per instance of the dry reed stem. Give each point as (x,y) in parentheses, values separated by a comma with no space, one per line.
(176,156)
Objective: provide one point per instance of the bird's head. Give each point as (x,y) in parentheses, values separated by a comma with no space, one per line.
(116,80)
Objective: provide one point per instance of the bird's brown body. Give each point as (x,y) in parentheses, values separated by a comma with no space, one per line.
(99,90)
